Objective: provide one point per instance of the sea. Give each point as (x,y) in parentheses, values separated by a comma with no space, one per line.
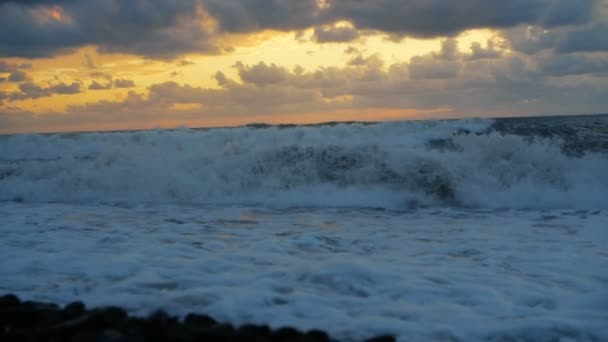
(436,230)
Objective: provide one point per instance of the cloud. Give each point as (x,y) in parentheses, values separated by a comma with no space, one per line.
(123,83)
(530,39)
(505,85)
(428,68)
(185,62)
(253,15)
(449,50)
(444,64)
(17,76)
(30,90)
(514,83)
(153,28)
(109,84)
(98,86)
(590,38)
(421,18)
(479,52)
(567,12)
(574,64)
(548,57)
(5,67)
(89,62)
(434,18)
(14,71)
(351,50)
(262,74)
(166,29)
(586,38)
(373,62)
(332,34)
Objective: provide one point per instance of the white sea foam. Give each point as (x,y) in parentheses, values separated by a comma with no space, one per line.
(422,275)
(443,273)
(391,165)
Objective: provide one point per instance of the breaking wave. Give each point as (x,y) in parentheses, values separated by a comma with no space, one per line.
(398,165)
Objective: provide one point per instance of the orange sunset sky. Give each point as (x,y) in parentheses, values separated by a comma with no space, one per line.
(72,65)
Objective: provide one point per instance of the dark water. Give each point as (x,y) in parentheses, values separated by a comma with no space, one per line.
(579,134)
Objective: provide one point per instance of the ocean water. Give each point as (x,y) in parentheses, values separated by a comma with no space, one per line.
(427,230)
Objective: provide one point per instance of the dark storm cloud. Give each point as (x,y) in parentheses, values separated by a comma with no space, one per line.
(329,34)
(574,64)
(591,38)
(168,28)
(253,15)
(153,28)
(530,40)
(432,18)
(422,18)
(24,35)
(568,12)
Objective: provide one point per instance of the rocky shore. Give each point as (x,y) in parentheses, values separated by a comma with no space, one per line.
(35,321)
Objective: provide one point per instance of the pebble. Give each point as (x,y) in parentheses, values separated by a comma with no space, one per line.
(35,321)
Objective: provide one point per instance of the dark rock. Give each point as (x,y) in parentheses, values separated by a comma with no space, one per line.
(82,336)
(383,338)
(111,336)
(219,332)
(286,334)
(254,332)
(199,320)
(318,335)
(74,310)
(37,306)
(111,316)
(34,321)
(161,319)
(9,301)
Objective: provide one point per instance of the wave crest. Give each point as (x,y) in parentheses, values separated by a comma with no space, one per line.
(391,165)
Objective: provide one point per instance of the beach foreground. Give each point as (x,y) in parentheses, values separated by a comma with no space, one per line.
(426,274)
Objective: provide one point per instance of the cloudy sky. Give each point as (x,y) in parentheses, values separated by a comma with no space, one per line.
(69,65)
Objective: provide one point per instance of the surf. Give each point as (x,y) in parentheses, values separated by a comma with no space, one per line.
(474,163)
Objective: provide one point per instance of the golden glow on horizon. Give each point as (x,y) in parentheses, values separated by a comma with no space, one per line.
(289,50)
(364,115)
(186,106)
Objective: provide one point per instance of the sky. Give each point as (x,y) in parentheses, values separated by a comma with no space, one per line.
(90,65)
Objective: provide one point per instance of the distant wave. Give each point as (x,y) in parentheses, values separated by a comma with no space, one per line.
(398,165)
